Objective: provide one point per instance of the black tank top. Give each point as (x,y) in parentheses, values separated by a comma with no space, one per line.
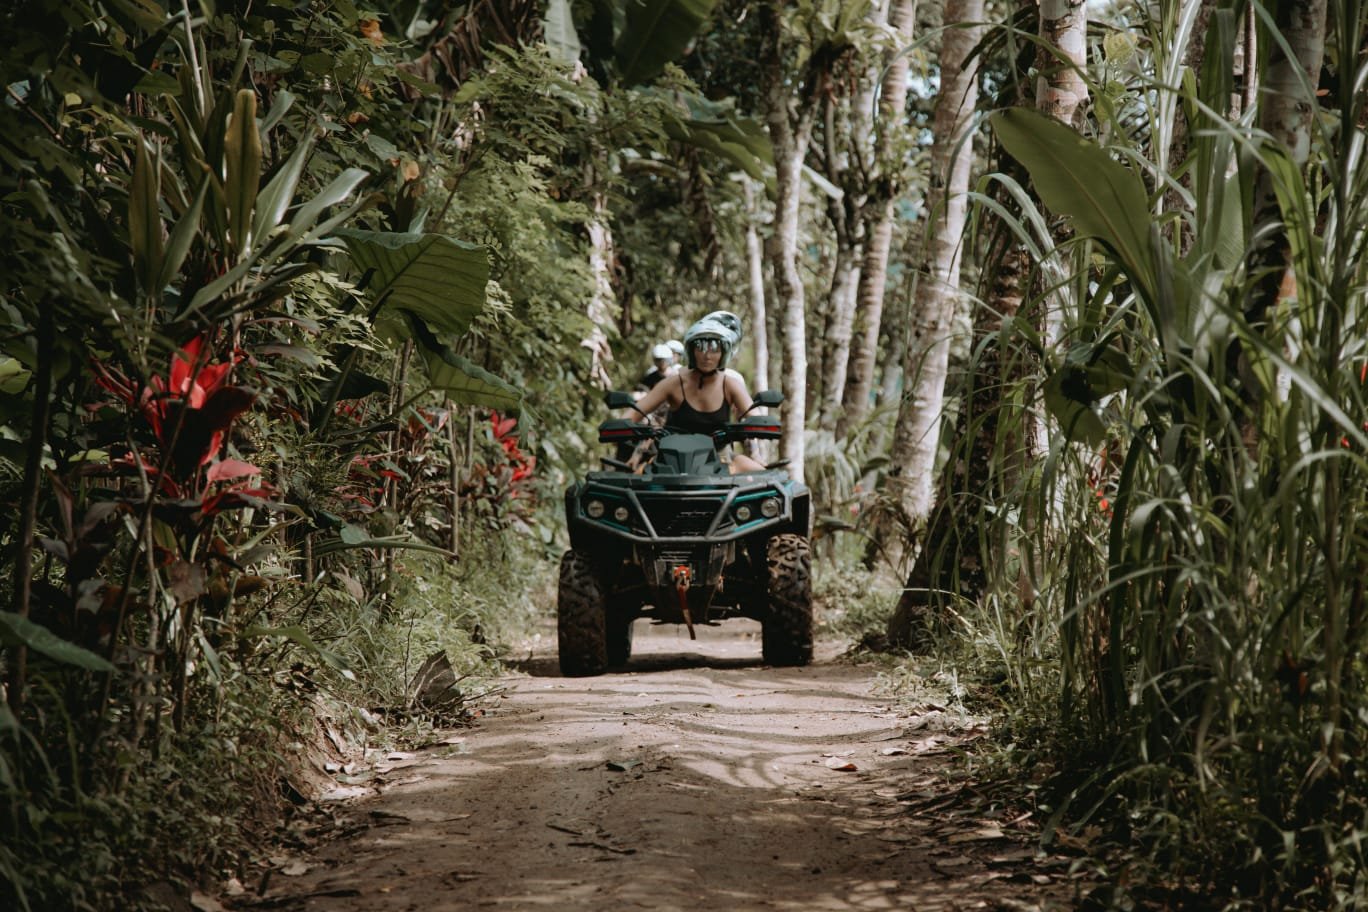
(690,420)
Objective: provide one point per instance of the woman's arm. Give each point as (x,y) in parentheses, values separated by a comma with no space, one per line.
(660,393)
(734,387)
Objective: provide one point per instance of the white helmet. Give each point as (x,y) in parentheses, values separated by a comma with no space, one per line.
(662,352)
(711,328)
(729,320)
(677,347)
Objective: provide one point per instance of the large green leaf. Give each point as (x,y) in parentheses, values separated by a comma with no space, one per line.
(719,129)
(1072,391)
(436,278)
(657,32)
(242,159)
(17,630)
(278,193)
(14,377)
(182,236)
(144,216)
(1077,178)
(303,224)
(463,381)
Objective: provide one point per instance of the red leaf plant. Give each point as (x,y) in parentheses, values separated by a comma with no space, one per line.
(189,414)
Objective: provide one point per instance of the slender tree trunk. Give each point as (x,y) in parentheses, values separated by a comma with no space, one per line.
(1287,98)
(850,165)
(789,116)
(1060,92)
(836,336)
(1287,103)
(916,436)
(391,489)
(454,479)
(859,382)
(755,260)
(1287,107)
(602,300)
(788,286)
(952,567)
(869,306)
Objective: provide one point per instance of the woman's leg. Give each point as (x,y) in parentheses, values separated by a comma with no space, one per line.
(742,464)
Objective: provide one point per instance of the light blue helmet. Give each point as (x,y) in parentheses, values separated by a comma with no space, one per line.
(714,326)
(729,320)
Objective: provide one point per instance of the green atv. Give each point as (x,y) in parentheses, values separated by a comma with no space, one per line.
(683,542)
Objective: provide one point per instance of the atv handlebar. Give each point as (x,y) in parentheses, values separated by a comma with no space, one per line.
(755,427)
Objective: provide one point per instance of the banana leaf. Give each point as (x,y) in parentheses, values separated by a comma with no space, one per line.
(436,278)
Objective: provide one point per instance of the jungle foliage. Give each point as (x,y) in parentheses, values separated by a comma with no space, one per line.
(294,367)
(287,287)
(1174,584)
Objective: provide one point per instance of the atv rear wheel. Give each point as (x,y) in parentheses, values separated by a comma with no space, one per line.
(786,628)
(581,617)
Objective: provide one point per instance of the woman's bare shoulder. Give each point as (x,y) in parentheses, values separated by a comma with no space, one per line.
(734,385)
(674,385)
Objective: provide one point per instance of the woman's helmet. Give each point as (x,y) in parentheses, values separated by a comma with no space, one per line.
(726,332)
(662,352)
(729,320)
(677,347)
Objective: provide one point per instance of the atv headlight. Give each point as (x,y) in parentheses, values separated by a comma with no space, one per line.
(594,509)
(621,514)
(744,512)
(770,507)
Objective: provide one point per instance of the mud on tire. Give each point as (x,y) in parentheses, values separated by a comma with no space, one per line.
(787,622)
(581,617)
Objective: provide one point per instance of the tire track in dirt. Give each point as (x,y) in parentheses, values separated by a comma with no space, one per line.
(694,778)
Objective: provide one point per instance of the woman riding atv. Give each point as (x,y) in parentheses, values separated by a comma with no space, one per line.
(703,397)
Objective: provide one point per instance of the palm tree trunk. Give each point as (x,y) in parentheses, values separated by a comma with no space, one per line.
(836,335)
(859,382)
(916,435)
(601,302)
(755,261)
(1287,108)
(1060,88)
(789,117)
(850,165)
(952,566)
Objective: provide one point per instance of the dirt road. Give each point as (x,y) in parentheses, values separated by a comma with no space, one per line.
(696,778)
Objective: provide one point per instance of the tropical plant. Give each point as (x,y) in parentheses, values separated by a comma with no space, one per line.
(1210,612)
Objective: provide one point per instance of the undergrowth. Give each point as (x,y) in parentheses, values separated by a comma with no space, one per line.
(852,602)
(90,829)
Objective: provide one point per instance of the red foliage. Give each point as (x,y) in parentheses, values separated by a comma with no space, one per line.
(520,463)
(189,414)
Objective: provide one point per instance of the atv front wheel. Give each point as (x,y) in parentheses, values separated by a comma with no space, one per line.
(581,618)
(786,628)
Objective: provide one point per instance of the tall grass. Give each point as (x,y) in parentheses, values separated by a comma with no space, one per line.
(1209,618)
